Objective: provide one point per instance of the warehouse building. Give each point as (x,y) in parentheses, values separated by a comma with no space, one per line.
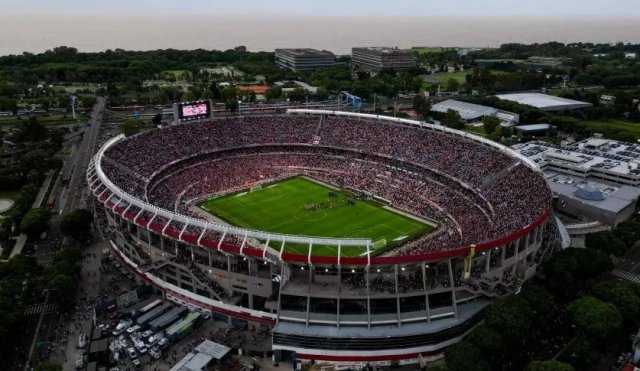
(470,112)
(544,102)
(304,59)
(375,59)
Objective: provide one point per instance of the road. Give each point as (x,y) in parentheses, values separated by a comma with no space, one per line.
(75,169)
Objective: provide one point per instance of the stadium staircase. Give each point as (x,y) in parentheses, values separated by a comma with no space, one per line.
(161,264)
(491,179)
(323,119)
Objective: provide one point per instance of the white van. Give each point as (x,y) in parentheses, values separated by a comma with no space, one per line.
(122,326)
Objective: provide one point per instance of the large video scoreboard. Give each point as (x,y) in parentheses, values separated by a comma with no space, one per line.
(189,111)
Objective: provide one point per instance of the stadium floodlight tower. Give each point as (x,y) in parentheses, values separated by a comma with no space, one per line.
(192,111)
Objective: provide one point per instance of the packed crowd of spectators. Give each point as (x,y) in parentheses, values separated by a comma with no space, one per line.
(424,172)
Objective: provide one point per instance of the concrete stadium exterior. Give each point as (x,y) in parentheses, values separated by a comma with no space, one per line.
(348,310)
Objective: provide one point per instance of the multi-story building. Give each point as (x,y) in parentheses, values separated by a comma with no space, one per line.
(375,59)
(304,59)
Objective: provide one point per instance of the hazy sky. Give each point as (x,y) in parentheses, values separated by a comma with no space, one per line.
(557,8)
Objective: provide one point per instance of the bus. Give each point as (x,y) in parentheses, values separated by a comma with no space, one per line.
(183,327)
(168,318)
(146,318)
(148,307)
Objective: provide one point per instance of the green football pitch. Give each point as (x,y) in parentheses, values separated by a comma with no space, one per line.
(281,208)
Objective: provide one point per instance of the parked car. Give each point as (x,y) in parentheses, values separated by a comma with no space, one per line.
(155,353)
(132,353)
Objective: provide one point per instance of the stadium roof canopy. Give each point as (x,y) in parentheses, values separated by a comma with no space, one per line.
(467,111)
(544,102)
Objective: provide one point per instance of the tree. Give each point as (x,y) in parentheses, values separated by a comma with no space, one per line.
(452,119)
(231,104)
(322,94)
(157,119)
(606,242)
(490,124)
(77,224)
(273,93)
(63,289)
(595,318)
(30,131)
(628,231)
(297,95)
(540,301)
(131,127)
(452,85)
(421,105)
(511,318)
(464,356)
(550,365)
(571,270)
(488,340)
(621,294)
(35,222)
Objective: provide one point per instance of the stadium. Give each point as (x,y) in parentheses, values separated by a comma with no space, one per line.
(351,238)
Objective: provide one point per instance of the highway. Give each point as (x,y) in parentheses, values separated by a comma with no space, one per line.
(74,169)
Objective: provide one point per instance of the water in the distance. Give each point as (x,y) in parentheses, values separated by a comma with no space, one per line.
(38,32)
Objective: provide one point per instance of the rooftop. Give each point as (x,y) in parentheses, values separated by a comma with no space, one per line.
(600,195)
(532,128)
(544,102)
(385,49)
(593,153)
(467,111)
(201,356)
(304,51)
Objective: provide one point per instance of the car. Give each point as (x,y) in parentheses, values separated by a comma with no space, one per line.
(153,340)
(136,363)
(143,350)
(146,334)
(155,353)
(133,329)
(121,327)
(163,343)
(82,341)
(80,362)
(132,353)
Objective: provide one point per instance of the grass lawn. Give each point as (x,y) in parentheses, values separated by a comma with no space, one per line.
(612,125)
(280,208)
(442,77)
(46,120)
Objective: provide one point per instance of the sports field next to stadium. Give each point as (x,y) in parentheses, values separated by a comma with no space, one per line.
(303,207)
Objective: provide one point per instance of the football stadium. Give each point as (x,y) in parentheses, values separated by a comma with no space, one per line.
(352,238)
